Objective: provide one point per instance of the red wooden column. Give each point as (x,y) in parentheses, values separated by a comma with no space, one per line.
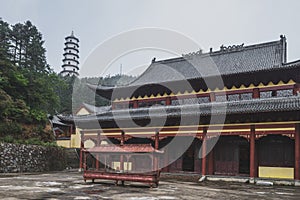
(81,150)
(122,156)
(156,146)
(212,96)
(252,153)
(297,152)
(204,143)
(168,101)
(135,104)
(296,89)
(255,93)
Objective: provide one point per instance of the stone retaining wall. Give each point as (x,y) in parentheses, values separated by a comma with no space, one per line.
(30,158)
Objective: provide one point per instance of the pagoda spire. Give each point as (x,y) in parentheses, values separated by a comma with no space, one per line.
(71,56)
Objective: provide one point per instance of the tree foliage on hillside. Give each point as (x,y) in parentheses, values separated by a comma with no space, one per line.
(27,84)
(29,89)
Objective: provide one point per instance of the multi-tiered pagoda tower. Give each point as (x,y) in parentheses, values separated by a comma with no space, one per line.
(71,56)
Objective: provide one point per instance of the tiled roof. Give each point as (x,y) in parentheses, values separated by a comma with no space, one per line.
(95,109)
(247,59)
(278,104)
(264,56)
(56,120)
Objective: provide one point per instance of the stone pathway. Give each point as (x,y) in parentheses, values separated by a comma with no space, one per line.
(70,185)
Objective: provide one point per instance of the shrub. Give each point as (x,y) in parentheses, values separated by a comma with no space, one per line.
(8,139)
(10,129)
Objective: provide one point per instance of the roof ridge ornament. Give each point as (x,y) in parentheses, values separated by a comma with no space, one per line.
(232,48)
(188,55)
(153,60)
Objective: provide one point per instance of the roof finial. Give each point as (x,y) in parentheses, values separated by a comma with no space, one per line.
(282,37)
(72,34)
(153,60)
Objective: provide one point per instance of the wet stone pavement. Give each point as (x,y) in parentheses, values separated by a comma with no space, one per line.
(70,185)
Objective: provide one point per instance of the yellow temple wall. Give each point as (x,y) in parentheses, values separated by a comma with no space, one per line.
(63,143)
(276,172)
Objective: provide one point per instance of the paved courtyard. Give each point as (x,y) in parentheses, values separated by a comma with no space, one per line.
(70,185)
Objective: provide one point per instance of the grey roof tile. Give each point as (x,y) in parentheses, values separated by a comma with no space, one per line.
(95,109)
(277,104)
(247,59)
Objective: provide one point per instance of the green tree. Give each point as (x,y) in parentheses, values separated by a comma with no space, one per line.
(28,86)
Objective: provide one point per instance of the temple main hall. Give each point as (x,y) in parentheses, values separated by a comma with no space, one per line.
(230,112)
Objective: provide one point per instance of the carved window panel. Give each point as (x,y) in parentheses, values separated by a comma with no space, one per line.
(190,101)
(246,96)
(203,100)
(221,98)
(285,93)
(233,97)
(267,94)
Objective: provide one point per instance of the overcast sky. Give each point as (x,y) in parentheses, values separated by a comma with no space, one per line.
(210,23)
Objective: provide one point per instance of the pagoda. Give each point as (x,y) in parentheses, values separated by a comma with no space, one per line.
(71,56)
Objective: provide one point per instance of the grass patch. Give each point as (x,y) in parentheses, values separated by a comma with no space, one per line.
(30,141)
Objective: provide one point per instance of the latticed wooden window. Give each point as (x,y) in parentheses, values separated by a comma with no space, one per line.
(233,97)
(221,98)
(175,102)
(203,100)
(267,94)
(246,96)
(285,93)
(190,101)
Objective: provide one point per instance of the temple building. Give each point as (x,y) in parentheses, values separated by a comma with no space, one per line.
(71,56)
(66,133)
(237,108)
